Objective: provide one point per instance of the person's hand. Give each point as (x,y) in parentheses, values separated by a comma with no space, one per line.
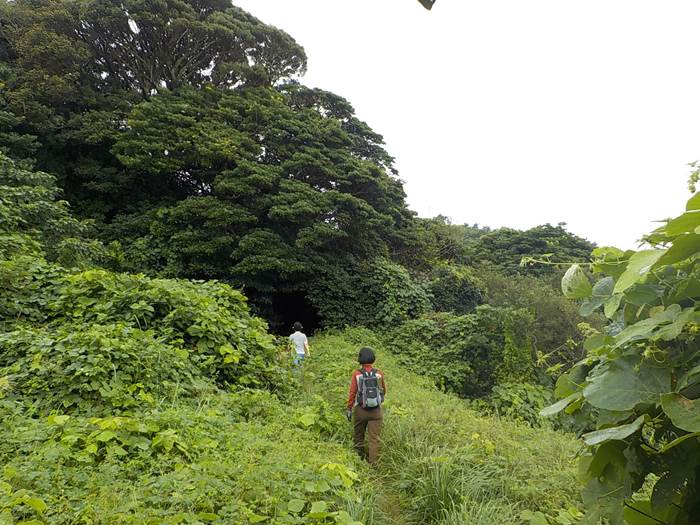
(348,414)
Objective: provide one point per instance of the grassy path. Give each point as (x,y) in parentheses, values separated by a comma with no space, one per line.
(442,463)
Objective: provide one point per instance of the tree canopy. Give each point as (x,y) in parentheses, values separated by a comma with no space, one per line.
(181,128)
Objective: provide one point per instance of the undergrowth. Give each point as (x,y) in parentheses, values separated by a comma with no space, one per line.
(445,463)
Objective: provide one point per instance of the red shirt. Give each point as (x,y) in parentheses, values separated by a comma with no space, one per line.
(354,384)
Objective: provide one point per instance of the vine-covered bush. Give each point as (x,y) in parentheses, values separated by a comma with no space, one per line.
(376,294)
(555,331)
(455,289)
(211,320)
(99,336)
(640,379)
(467,354)
(81,366)
(524,401)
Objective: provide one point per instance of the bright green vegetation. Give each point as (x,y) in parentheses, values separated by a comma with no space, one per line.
(443,463)
(227,458)
(130,399)
(640,379)
(213,196)
(126,399)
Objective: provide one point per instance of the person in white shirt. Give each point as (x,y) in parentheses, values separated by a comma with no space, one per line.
(300,344)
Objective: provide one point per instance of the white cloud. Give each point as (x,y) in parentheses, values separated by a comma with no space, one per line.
(512,112)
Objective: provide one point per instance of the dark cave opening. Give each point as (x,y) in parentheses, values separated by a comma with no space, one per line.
(291,307)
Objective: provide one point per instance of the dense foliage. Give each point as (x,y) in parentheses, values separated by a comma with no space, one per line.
(97,339)
(241,174)
(455,289)
(505,248)
(180,127)
(555,332)
(126,399)
(442,464)
(375,293)
(467,354)
(639,380)
(179,133)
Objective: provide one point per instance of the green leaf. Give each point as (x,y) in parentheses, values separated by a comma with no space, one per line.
(604,495)
(685,223)
(672,331)
(688,378)
(307,419)
(207,516)
(534,518)
(105,436)
(56,420)
(645,329)
(626,382)
(596,342)
(602,290)
(575,283)
(693,203)
(560,405)
(610,261)
(610,452)
(642,294)
(684,413)
(37,504)
(319,509)
(666,489)
(611,305)
(641,513)
(571,381)
(678,441)
(683,247)
(613,433)
(296,505)
(639,264)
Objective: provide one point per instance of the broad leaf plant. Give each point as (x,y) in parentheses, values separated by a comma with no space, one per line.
(640,380)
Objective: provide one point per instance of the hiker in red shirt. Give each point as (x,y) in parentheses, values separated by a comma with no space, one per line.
(367,391)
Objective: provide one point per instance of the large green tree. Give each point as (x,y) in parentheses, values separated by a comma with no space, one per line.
(178,125)
(73,70)
(505,248)
(282,184)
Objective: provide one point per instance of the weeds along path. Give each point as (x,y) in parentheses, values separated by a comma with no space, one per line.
(442,463)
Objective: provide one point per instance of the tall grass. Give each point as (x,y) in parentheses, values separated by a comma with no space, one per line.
(441,463)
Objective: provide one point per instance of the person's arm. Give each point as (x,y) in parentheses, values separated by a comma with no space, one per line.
(353,392)
(384,384)
(307,349)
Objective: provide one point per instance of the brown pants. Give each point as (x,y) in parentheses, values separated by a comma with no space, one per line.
(370,421)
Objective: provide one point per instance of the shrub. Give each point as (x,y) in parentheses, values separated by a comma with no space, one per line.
(467,354)
(92,366)
(209,319)
(554,332)
(30,286)
(375,294)
(205,462)
(107,338)
(455,289)
(640,379)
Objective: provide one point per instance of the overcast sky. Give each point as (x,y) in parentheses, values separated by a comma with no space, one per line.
(518,112)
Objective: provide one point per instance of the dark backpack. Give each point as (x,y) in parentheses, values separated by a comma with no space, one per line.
(369,392)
